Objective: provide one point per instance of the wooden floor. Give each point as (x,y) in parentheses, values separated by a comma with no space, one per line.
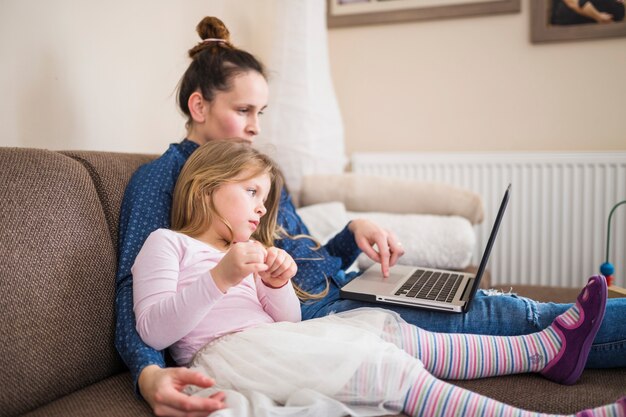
(554,294)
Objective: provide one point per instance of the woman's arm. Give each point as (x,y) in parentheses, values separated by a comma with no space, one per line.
(138,218)
(159,386)
(358,235)
(379,244)
(344,246)
(587,9)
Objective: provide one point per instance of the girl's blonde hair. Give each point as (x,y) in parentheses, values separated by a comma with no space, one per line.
(212,165)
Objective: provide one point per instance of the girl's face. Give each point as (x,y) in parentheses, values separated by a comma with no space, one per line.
(234,113)
(242,204)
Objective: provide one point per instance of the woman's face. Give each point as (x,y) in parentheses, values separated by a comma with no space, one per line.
(234,113)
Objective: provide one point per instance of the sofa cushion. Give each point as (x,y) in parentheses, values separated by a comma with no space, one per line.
(58,265)
(377,193)
(533,392)
(112,397)
(110,173)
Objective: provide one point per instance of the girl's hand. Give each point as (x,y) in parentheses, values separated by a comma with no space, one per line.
(241,260)
(280,268)
(388,248)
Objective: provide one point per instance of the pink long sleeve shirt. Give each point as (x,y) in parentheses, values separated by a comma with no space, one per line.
(177,303)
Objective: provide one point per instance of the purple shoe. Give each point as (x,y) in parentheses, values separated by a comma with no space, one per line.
(569,363)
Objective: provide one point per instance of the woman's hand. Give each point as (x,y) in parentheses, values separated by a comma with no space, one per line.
(590,11)
(162,389)
(603,17)
(388,248)
(241,260)
(280,268)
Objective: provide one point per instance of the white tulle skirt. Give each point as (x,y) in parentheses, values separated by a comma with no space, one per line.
(351,358)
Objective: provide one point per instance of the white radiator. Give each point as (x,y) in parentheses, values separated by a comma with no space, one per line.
(554,229)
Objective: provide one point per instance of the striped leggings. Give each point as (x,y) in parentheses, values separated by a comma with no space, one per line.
(402,384)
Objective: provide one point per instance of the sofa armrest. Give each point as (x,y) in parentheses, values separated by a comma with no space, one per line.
(391,195)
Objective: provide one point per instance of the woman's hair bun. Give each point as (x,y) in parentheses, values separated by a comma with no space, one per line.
(212,27)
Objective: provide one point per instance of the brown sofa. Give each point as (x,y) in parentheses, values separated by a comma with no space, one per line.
(58,241)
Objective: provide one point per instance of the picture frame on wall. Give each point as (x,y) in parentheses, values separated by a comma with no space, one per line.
(555,21)
(343,13)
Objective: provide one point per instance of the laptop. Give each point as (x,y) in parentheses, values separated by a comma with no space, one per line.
(433,289)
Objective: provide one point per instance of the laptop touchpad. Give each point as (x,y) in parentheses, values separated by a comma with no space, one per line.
(373,278)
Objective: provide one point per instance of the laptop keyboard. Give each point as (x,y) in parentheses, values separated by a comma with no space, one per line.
(431,285)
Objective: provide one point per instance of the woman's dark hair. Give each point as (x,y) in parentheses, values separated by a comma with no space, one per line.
(214,64)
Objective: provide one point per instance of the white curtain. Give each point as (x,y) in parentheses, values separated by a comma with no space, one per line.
(302,128)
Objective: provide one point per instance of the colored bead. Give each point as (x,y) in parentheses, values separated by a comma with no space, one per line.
(607,269)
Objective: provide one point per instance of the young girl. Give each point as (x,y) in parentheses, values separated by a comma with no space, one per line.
(218,294)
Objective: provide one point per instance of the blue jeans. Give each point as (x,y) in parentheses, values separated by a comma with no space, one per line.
(501,315)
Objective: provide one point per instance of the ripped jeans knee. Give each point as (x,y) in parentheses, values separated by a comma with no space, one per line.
(531,306)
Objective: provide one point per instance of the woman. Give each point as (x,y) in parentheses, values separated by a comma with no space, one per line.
(223,93)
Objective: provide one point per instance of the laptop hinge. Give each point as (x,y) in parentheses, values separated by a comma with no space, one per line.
(468,290)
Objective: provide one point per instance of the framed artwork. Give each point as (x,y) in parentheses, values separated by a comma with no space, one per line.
(555,21)
(370,12)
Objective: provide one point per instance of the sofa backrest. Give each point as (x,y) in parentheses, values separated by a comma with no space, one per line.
(110,173)
(58,234)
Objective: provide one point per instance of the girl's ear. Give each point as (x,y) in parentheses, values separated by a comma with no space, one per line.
(197,107)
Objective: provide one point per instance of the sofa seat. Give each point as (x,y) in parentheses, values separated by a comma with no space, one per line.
(529,391)
(111,397)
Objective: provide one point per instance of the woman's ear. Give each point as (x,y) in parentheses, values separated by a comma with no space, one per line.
(197,107)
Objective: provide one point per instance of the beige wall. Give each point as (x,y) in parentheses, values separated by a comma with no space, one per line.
(102,75)
(477,84)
